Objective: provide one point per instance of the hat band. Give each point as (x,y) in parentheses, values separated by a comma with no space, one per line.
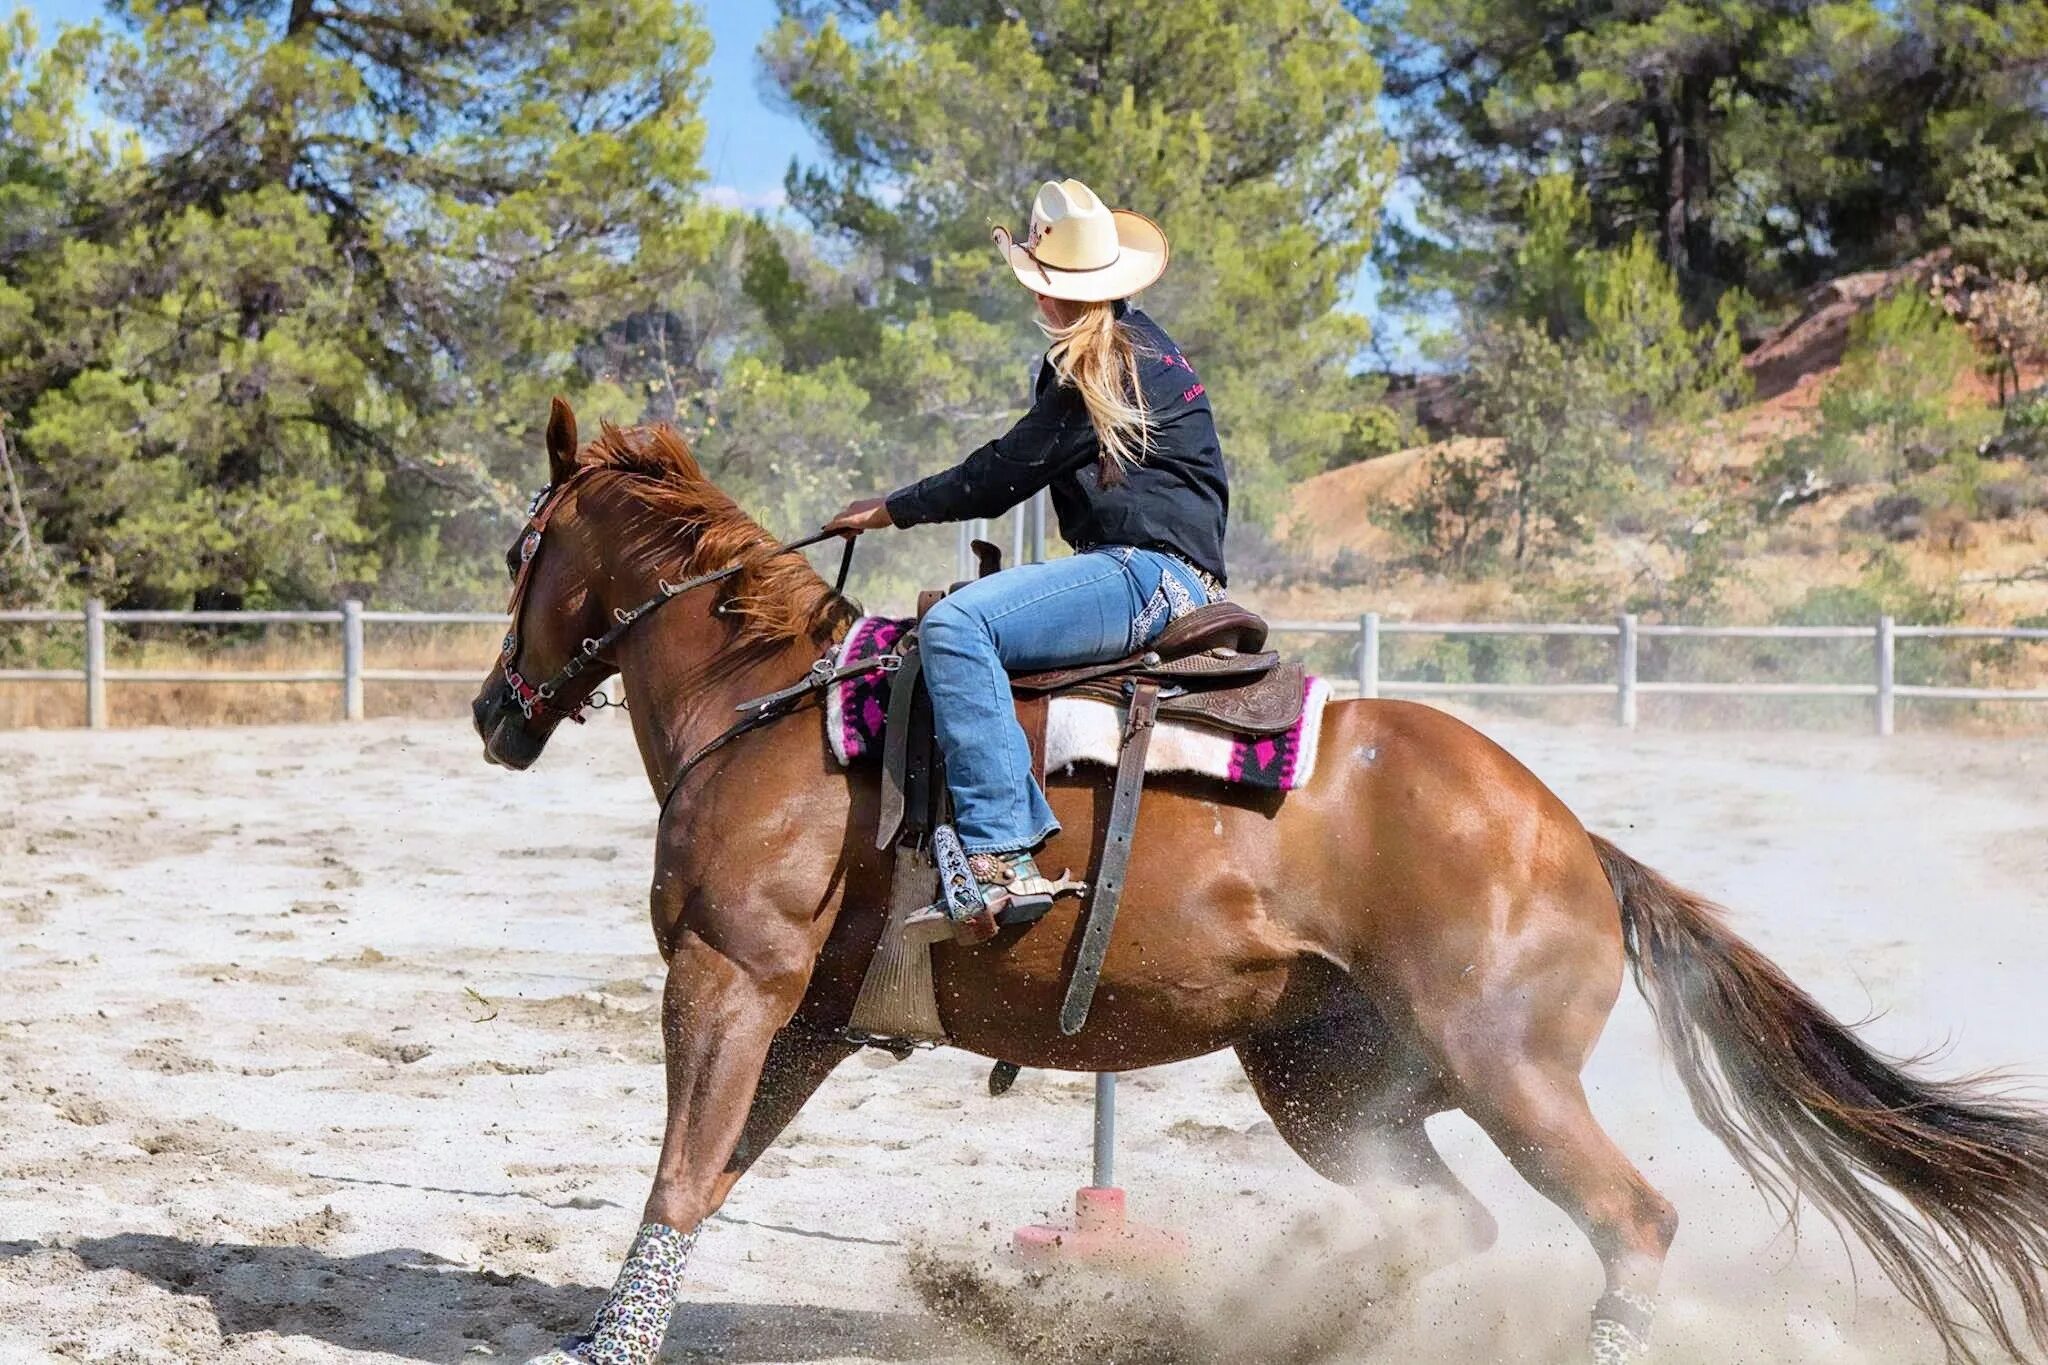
(1046,269)
(1072,269)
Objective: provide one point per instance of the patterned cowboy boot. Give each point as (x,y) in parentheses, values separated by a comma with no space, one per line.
(981,892)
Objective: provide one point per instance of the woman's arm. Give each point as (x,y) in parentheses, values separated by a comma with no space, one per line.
(1049,440)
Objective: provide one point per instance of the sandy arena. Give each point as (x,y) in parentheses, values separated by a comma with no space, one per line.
(330,1043)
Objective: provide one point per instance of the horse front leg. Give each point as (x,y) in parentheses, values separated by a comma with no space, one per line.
(720,1019)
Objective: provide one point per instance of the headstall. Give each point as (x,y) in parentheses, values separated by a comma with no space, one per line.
(538,700)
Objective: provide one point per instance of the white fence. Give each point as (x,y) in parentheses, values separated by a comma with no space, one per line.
(1883,688)
(351,673)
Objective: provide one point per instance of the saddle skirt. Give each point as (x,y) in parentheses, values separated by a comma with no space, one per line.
(1088,729)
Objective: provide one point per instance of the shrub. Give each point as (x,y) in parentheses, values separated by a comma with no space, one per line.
(1890,409)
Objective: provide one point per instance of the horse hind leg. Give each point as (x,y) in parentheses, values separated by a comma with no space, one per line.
(1349,1095)
(1528,1099)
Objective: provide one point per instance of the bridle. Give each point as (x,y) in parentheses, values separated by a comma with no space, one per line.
(538,701)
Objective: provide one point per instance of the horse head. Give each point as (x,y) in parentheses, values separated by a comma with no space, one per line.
(553,609)
(625,522)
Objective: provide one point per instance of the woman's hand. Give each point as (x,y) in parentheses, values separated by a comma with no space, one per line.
(862,514)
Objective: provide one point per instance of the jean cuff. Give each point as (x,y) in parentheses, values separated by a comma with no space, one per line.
(1052,827)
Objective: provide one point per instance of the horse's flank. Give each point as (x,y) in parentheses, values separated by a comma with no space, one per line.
(775,598)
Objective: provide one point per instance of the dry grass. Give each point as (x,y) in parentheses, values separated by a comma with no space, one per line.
(280,649)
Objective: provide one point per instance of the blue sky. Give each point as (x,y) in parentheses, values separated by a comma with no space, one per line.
(749,143)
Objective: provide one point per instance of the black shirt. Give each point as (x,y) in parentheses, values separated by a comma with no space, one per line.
(1175,498)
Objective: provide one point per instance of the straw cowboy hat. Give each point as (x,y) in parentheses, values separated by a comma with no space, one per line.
(1081,250)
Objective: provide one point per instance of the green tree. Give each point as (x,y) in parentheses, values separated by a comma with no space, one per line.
(1891,408)
(1765,143)
(1996,214)
(1592,398)
(295,331)
(1247,130)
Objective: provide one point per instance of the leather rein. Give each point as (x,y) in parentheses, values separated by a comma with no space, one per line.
(540,700)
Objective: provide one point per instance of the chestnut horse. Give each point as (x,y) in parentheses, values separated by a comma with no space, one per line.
(1423,927)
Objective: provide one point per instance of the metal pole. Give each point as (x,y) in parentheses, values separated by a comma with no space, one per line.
(1887,672)
(1039,503)
(1018,539)
(1625,672)
(963,557)
(1105,1130)
(352,659)
(1369,654)
(96,664)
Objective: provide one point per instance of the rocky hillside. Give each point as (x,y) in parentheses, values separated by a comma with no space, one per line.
(1995,558)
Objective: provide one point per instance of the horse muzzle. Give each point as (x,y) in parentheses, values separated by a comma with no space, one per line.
(504,729)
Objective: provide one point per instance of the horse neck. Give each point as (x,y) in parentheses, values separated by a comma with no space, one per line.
(687,669)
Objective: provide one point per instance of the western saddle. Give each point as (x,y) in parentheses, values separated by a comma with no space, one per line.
(1209,668)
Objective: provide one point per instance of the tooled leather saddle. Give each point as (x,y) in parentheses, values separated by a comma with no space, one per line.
(1208,668)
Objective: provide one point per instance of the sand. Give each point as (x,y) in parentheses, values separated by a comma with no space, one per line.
(330,1043)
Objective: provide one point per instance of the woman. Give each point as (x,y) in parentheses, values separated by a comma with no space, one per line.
(1121,433)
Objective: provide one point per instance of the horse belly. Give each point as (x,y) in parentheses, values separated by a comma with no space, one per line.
(1214,939)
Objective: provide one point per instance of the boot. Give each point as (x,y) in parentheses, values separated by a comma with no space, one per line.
(1008,889)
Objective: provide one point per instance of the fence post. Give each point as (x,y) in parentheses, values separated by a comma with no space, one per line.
(1887,672)
(1625,671)
(1369,654)
(352,659)
(96,664)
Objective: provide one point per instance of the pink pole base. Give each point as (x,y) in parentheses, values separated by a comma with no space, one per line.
(1099,1232)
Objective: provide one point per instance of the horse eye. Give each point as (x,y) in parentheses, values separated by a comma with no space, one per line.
(512,563)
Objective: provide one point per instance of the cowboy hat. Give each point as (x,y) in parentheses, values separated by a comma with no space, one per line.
(1081,251)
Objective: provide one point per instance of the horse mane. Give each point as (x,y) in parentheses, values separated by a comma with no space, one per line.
(774,598)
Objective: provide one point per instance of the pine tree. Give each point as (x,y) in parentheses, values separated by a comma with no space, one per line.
(294,333)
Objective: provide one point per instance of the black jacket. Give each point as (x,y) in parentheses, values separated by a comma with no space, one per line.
(1176,498)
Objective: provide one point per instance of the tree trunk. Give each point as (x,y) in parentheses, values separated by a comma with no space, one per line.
(1670,183)
(1695,186)
(25,534)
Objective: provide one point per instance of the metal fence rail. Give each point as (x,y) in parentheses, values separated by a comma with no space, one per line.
(1883,689)
(351,674)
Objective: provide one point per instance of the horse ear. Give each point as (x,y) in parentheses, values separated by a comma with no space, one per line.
(561,440)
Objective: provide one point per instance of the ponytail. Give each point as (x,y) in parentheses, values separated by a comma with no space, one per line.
(1095,355)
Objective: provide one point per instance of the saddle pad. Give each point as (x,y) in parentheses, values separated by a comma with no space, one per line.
(1082,729)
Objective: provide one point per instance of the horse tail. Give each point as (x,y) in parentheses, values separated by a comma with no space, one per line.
(1811,1112)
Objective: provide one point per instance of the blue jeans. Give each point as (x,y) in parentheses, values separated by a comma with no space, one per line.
(1087,609)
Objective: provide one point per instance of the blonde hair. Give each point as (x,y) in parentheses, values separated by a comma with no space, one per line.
(1095,355)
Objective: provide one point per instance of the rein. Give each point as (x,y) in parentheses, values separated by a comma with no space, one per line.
(755,713)
(539,700)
